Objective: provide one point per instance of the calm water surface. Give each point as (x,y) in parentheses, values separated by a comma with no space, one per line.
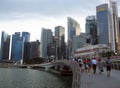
(29,78)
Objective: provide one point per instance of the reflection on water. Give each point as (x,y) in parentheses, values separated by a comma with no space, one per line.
(28,78)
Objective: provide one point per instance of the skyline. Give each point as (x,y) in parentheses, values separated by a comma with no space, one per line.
(32,16)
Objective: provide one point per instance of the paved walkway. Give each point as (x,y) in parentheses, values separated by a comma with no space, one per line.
(100,81)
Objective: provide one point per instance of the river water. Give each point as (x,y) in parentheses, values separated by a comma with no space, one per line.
(30,78)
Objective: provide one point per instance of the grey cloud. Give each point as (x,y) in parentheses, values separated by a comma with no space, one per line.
(14,9)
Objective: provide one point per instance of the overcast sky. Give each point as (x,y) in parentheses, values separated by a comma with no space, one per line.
(32,15)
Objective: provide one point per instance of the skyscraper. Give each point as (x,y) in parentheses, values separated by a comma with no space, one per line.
(5,46)
(91,29)
(78,41)
(73,28)
(26,36)
(17,47)
(34,49)
(115,33)
(108,28)
(26,52)
(103,24)
(60,41)
(46,38)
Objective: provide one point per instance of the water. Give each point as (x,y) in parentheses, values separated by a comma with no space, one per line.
(29,78)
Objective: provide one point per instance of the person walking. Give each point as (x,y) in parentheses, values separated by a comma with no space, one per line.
(89,66)
(94,64)
(100,66)
(108,66)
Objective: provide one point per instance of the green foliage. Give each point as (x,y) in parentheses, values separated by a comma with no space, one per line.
(108,54)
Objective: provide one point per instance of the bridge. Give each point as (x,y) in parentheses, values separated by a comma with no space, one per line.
(71,64)
(83,80)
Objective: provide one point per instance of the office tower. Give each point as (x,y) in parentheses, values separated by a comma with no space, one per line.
(73,28)
(91,29)
(51,51)
(26,36)
(103,24)
(46,38)
(5,46)
(60,40)
(115,33)
(119,23)
(34,50)
(79,41)
(17,48)
(27,46)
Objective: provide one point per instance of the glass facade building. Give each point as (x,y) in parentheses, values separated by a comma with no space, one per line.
(115,32)
(26,36)
(60,40)
(91,29)
(5,46)
(34,50)
(73,28)
(103,24)
(79,41)
(46,38)
(17,48)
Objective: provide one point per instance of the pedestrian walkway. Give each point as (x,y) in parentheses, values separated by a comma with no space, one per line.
(101,81)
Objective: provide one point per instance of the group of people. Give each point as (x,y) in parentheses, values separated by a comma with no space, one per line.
(93,64)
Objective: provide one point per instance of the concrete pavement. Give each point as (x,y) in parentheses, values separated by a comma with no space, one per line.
(100,80)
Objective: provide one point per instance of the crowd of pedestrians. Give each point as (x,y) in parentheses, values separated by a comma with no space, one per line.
(91,64)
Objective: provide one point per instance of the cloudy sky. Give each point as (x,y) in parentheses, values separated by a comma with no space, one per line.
(32,15)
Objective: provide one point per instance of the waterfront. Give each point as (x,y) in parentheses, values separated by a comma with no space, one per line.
(30,78)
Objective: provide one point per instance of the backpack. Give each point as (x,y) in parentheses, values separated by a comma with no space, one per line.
(108,62)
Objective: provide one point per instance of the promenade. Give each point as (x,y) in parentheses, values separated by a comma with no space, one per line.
(100,81)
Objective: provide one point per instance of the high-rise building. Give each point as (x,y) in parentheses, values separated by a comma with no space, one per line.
(119,23)
(91,29)
(103,24)
(73,28)
(79,41)
(60,40)
(34,50)
(46,38)
(26,36)
(17,48)
(115,33)
(27,47)
(5,46)
(108,27)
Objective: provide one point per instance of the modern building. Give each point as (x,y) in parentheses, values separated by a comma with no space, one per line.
(51,51)
(119,22)
(17,49)
(91,30)
(26,36)
(73,30)
(27,47)
(34,50)
(115,33)
(5,46)
(60,40)
(79,41)
(46,38)
(103,24)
